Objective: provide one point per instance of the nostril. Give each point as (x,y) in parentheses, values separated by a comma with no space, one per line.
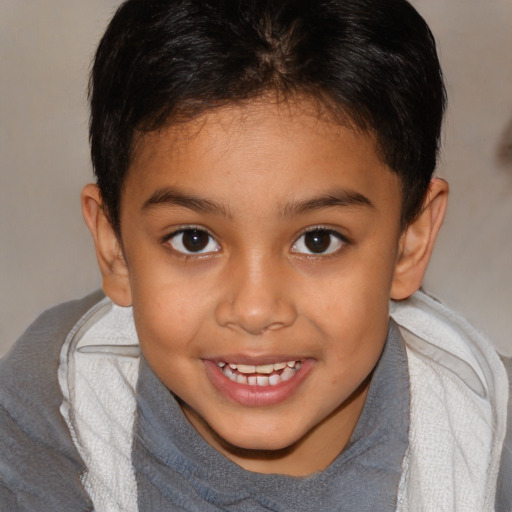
(256,318)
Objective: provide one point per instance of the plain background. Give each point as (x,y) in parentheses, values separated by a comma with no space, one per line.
(46,255)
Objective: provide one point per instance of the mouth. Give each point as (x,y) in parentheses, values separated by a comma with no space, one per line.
(257,385)
(260,375)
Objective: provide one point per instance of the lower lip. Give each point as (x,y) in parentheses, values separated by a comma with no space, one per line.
(256,396)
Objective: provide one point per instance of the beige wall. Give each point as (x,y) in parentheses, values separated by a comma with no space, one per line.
(45,252)
(472,266)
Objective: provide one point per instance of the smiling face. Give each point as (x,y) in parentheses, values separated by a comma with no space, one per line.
(260,245)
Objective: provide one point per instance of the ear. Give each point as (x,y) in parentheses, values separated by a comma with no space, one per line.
(417,242)
(116,276)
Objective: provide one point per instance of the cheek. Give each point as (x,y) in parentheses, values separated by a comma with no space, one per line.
(353,313)
(167,329)
(168,315)
(354,298)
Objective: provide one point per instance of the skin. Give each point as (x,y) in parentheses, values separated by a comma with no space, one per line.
(255,178)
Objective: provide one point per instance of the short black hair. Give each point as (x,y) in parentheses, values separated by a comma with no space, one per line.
(372,61)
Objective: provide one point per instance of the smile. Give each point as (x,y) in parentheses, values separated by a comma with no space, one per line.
(260,375)
(259,384)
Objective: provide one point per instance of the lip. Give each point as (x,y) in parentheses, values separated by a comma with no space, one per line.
(256,396)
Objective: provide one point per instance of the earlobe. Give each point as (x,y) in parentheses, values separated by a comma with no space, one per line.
(115,273)
(417,242)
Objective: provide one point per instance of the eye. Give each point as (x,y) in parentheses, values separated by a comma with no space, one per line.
(318,241)
(193,241)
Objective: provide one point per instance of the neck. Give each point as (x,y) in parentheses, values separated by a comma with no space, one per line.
(312,453)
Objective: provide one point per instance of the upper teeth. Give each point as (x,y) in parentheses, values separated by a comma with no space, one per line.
(261,368)
(261,375)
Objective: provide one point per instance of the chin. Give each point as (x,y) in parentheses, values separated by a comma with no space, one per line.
(256,439)
(263,444)
(248,433)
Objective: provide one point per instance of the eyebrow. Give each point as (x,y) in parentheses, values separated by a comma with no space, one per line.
(168,197)
(172,197)
(339,198)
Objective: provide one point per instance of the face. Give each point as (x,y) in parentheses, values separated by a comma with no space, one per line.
(261,243)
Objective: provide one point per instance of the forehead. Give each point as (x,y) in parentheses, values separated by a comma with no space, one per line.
(257,151)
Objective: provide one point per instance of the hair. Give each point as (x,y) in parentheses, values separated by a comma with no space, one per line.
(371,62)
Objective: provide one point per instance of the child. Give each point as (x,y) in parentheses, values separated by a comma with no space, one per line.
(264,188)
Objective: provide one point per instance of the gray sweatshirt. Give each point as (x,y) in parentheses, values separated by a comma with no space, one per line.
(175,468)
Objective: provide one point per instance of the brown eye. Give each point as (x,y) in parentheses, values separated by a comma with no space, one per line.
(318,241)
(193,241)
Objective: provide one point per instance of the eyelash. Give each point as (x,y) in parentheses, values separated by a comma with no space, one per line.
(180,246)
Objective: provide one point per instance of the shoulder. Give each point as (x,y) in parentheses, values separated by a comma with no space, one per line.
(446,340)
(50,327)
(504,492)
(30,367)
(40,465)
(459,390)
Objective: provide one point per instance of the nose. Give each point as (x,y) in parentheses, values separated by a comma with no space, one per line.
(257,298)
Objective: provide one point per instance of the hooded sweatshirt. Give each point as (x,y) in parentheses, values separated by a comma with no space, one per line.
(86,425)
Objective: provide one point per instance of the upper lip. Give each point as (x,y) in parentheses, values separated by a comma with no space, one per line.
(255,360)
